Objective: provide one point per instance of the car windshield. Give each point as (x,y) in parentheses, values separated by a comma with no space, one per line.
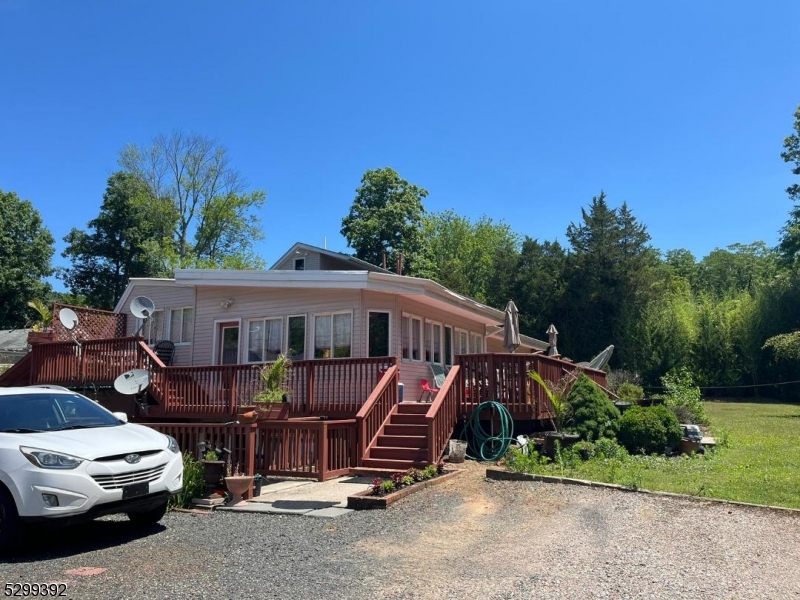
(47,411)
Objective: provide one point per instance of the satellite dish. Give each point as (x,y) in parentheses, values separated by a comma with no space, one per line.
(142,307)
(68,318)
(132,382)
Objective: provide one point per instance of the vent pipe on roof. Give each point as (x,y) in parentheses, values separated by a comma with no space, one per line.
(383,264)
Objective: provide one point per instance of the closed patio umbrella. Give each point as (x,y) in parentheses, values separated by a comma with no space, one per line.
(511,339)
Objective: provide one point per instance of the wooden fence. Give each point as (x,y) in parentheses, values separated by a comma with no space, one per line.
(316,449)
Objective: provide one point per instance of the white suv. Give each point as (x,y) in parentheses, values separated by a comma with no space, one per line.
(65,458)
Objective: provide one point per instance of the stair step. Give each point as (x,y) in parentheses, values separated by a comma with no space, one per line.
(412,454)
(416,408)
(403,441)
(395,465)
(405,430)
(412,419)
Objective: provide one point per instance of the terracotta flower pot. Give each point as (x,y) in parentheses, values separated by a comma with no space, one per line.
(237,485)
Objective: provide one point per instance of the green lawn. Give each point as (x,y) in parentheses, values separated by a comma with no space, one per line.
(760,463)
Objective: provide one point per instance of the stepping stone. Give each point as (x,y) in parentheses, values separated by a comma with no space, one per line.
(329,513)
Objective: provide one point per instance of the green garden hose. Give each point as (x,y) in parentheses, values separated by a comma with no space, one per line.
(482,444)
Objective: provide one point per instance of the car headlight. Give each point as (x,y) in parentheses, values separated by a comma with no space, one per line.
(173,444)
(45,459)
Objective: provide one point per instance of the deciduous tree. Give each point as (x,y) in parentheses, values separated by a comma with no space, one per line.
(26,247)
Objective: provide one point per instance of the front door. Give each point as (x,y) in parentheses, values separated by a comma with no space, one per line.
(228,344)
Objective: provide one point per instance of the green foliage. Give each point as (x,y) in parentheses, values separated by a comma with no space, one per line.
(274,379)
(519,462)
(123,241)
(790,234)
(193,482)
(465,255)
(647,430)
(26,247)
(203,202)
(386,215)
(679,390)
(609,448)
(784,347)
(555,393)
(430,471)
(44,312)
(593,414)
(630,392)
(387,486)
(684,414)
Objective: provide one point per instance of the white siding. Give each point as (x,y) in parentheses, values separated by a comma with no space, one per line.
(165,296)
(254,303)
(312,262)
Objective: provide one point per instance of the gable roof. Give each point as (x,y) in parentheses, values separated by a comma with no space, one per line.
(14,339)
(358,264)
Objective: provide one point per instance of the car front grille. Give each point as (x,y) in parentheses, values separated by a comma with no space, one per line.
(120,480)
(122,456)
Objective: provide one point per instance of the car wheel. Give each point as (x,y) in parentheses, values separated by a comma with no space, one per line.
(149,517)
(10,527)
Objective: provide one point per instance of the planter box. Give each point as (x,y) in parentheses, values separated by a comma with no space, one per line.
(40,337)
(366,501)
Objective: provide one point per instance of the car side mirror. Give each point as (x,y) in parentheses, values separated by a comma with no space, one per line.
(121,416)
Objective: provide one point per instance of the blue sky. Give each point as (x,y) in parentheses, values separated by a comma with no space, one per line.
(519,110)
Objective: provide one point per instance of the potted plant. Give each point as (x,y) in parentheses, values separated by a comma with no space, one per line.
(562,414)
(43,328)
(274,398)
(213,467)
(237,484)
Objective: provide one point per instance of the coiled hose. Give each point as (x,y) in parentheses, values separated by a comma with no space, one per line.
(482,445)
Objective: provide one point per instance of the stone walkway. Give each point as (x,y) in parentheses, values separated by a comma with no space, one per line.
(327,499)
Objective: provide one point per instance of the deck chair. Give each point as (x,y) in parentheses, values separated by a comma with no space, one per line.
(427,389)
(165,351)
(439,374)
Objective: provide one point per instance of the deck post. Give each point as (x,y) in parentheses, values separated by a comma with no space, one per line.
(309,405)
(250,454)
(233,403)
(322,450)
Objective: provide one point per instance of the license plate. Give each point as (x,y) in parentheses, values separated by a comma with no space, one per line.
(135,490)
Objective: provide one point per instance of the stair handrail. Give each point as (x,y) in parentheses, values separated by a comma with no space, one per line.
(12,373)
(443,414)
(377,409)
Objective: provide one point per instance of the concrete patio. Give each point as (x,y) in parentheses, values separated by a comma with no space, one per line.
(326,499)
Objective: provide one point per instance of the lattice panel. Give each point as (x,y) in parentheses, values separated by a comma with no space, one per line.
(93,324)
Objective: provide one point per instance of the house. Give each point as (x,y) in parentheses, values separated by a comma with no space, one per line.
(355,332)
(314,303)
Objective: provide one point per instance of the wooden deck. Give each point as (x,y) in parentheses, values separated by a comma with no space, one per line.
(342,413)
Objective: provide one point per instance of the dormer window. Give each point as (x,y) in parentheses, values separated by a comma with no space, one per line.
(300,264)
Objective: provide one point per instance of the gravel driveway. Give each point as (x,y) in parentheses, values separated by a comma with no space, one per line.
(468,538)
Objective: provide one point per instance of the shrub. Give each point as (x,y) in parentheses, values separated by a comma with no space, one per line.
(680,390)
(593,414)
(376,485)
(609,448)
(683,414)
(649,429)
(387,486)
(617,378)
(415,474)
(407,480)
(193,482)
(430,471)
(516,460)
(585,450)
(630,392)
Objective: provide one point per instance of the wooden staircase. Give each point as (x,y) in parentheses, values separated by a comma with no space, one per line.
(402,442)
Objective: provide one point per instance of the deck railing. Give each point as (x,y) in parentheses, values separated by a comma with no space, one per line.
(316,449)
(376,409)
(504,378)
(443,413)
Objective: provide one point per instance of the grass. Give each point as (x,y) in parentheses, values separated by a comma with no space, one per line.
(759,463)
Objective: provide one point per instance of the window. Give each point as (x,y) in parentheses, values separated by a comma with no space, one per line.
(428,340)
(437,343)
(296,342)
(181,325)
(333,335)
(461,342)
(411,329)
(378,332)
(264,339)
(448,345)
(477,343)
(152,329)
(299,264)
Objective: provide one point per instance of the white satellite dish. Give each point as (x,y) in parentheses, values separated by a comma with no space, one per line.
(142,307)
(132,382)
(68,318)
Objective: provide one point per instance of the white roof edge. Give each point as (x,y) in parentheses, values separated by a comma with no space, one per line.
(132,283)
